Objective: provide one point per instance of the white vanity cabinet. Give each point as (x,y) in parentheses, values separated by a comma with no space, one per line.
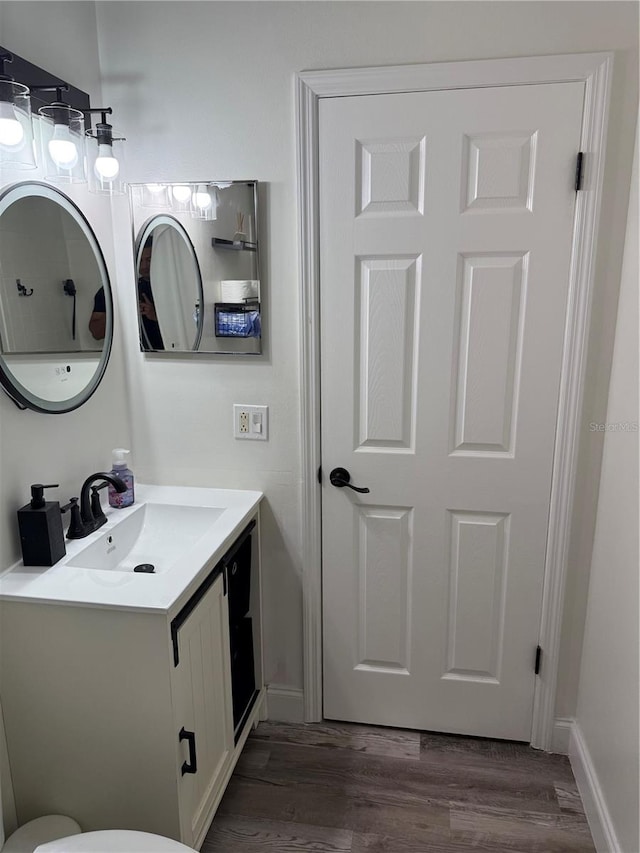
(123,718)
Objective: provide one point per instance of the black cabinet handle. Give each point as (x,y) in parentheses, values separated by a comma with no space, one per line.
(190,766)
(340,478)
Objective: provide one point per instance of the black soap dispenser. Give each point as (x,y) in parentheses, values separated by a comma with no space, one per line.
(41,533)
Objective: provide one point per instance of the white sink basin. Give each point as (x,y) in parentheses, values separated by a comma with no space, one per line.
(155,533)
(183,531)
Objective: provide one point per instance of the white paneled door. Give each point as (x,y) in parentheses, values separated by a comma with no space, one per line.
(446,223)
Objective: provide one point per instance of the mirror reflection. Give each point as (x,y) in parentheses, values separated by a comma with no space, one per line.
(169,312)
(52,273)
(196,255)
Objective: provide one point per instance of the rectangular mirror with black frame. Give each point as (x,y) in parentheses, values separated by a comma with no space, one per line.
(196,251)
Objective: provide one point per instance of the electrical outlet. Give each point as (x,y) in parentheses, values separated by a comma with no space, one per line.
(62,373)
(250,422)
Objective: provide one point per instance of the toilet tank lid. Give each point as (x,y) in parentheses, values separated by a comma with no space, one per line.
(114,841)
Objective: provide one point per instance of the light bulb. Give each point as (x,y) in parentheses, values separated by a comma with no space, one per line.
(202,200)
(11,131)
(181,193)
(155,188)
(106,166)
(62,149)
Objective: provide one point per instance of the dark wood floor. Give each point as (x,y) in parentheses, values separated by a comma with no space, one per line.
(342,788)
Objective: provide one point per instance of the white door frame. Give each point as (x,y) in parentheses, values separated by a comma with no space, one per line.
(595,70)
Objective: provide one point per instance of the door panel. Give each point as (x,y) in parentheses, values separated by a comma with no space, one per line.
(383,580)
(446,221)
(386,303)
(477,569)
(488,351)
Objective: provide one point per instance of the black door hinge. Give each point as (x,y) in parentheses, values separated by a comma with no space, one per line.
(579,163)
(320,475)
(538,660)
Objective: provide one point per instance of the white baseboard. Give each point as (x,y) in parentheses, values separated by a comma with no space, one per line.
(285,703)
(593,800)
(561,735)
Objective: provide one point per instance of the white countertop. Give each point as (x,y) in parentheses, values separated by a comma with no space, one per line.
(65,584)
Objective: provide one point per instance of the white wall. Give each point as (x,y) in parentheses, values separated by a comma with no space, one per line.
(64,449)
(608,696)
(206,91)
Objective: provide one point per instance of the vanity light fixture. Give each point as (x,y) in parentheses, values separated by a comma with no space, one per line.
(181,193)
(180,198)
(155,196)
(205,202)
(106,157)
(202,199)
(16,130)
(62,135)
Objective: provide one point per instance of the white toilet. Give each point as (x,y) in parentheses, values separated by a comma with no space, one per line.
(59,834)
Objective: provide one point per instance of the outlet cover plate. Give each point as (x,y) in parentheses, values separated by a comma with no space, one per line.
(250,422)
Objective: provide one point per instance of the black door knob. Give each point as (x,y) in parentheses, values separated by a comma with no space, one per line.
(340,478)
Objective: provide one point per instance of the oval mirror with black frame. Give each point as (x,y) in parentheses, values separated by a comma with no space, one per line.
(169,315)
(56,308)
(197,267)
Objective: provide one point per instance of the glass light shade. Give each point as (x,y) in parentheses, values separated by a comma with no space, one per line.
(155,196)
(11,131)
(180,198)
(181,193)
(204,203)
(16,130)
(62,144)
(106,166)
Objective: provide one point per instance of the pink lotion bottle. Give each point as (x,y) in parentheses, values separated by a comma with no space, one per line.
(119,469)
